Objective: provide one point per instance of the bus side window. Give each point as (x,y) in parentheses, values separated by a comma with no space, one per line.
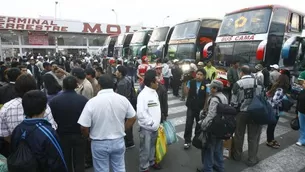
(295,23)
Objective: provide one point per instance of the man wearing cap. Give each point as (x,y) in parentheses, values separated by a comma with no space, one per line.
(200,65)
(274,74)
(212,156)
(84,86)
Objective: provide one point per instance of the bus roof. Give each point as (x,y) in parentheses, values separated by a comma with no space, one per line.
(199,19)
(261,7)
(144,30)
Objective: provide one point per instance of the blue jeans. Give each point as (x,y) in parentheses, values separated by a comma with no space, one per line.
(105,151)
(212,156)
(147,148)
(302,128)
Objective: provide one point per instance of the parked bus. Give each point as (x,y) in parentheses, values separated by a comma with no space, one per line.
(157,45)
(108,48)
(256,35)
(189,38)
(138,44)
(122,45)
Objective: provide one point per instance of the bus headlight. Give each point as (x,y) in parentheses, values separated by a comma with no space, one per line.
(185,67)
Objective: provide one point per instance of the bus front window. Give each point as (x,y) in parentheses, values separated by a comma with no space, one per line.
(185,30)
(159,34)
(181,51)
(138,38)
(248,22)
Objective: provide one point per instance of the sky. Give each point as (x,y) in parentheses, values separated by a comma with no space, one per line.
(133,12)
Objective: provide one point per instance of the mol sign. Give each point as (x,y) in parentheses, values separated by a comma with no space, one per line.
(49,25)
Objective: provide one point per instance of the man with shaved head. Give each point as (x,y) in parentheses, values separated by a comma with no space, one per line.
(243,92)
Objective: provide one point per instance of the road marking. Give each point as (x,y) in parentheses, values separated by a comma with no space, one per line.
(178,121)
(178,109)
(290,159)
(283,120)
(175,101)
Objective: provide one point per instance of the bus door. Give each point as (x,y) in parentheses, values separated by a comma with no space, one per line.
(169,34)
(207,33)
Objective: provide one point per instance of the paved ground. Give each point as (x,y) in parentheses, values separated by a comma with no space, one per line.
(289,158)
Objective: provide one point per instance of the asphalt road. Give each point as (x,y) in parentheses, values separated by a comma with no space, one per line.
(289,158)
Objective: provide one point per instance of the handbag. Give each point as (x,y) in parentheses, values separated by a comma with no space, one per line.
(161,147)
(294,124)
(199,140)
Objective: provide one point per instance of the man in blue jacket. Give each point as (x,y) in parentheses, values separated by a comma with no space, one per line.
(39,134)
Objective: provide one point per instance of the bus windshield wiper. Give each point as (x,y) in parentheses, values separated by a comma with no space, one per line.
(245,32)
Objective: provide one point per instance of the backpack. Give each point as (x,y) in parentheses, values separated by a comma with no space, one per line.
(260,110)
(22,159)
(223,124)
(267,81)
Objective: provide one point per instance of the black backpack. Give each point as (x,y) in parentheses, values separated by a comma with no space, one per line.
(223,124)
(267,81)
(22,159)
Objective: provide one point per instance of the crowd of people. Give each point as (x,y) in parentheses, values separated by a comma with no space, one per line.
(75,114)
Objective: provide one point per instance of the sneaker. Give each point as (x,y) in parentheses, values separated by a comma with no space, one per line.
(299,143)
(156,166)
(187,145)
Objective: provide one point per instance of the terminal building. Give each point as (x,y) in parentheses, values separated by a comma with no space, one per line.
(21,35)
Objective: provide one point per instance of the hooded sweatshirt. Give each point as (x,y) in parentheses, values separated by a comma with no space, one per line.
(148,109)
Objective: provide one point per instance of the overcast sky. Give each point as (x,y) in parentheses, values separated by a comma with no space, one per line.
(132,12)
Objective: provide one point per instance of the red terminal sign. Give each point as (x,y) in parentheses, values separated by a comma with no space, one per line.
(15,23)
(32,24)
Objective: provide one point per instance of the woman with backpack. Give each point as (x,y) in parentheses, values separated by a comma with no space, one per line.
(212,153)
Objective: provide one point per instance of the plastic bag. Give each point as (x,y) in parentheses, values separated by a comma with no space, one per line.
(161,148)
(3,164)
(170,133)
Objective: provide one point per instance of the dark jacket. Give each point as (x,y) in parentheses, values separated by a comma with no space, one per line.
(38,134)
(36,73)
(7,93)
(196,101)
(301,102)
(162,93)
(66,113)
(232,76)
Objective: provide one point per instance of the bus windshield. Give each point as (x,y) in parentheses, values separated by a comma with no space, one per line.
(186,30)
(120,40)
(138,38)
(159,34)
(107,41)
(248,22)
(181,51)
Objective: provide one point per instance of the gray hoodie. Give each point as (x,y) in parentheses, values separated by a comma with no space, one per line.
(212,109)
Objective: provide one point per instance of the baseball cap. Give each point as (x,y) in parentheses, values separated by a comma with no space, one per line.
(216,84)
(79,73)
(275,66)
(200,64)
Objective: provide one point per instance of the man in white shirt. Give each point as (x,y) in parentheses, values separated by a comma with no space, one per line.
(149,116)
(105,116)
(166,73)
(274,74)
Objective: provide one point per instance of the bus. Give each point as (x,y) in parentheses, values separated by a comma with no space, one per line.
(138,44)
(122,45)
(256,35)
(108,47)
(189,38)
(157,45)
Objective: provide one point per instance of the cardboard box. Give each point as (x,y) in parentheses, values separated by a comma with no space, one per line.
(227,145)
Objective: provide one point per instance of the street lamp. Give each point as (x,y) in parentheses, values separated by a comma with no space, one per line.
(165,19)
(116,15)
(55,15)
